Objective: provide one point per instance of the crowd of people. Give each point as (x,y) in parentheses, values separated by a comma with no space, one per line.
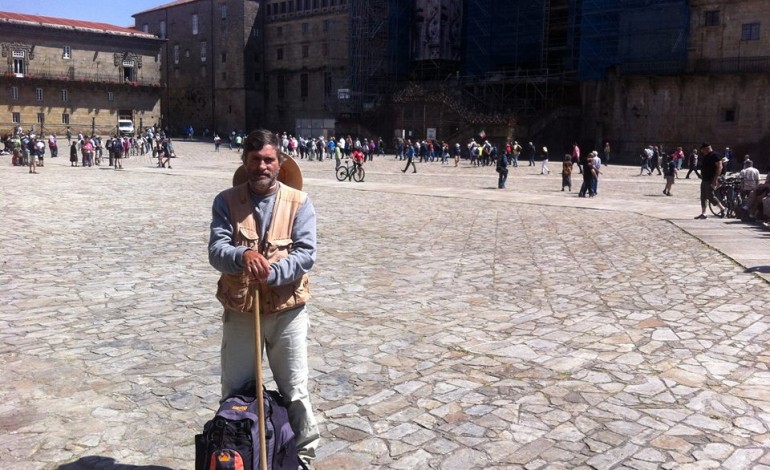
(29,149)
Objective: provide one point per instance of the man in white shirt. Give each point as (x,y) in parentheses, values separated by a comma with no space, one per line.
(749,176)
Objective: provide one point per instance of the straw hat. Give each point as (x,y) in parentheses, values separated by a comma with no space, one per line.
(289,174)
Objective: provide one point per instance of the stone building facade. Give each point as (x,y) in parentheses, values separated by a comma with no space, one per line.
(59,73)
(720,99)
(212,63)
(241,64)
(306,65)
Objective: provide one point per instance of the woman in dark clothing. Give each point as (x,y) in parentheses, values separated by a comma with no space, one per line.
(587,165)
(74,154)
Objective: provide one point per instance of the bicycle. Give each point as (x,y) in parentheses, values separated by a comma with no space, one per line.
(729,194)
(351,172)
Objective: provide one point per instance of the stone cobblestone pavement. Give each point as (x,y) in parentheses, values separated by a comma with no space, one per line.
(454,325)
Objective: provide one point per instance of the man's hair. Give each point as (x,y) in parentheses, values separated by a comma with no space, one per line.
(258,139)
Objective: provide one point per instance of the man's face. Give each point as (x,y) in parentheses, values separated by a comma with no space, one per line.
(262,168)
(705,150)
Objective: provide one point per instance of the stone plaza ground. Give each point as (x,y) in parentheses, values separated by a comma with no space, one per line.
(454,325)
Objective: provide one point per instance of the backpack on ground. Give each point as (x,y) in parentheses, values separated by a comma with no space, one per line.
(230,441)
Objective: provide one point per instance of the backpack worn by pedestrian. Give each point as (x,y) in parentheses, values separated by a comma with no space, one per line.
(230,441)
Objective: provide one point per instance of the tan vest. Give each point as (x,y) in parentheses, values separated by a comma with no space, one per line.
(232,289)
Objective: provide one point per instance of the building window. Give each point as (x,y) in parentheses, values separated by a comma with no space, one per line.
(40,118)
(255,32)
(14,93)
(129,72)
(223,11)
(224,76)
(187,53)
(279,53)
(224,57)
(325,49)
(195,23)
(303,85)
(65,118)
(750,32)
(257,77)
(711,17)
(66,53)
(110,96)
(728,115)
(16,118)
(281,88)
(327,84)
(39,94)
(162,29)
(326,25)
(305,28)
(146,28)
(18,62)
(283,8)
(176,53)
(305,50)
(64,96)
(203,71)
(279,31)
(204,48)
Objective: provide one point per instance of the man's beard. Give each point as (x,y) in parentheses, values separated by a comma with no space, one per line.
(262,183)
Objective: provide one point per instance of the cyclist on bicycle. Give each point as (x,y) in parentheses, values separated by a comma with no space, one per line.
(358,160)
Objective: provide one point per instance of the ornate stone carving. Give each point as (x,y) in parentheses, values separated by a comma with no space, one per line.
(120,57)
(8,48)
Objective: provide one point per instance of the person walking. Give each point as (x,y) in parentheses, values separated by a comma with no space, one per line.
(710,171)
(606,153)
(587,164)
(544,164)
(409,157)
(502,170)
(33,155)
(692,164)
(670,172)
(53,146)
(250,227)
(566,172)
(73,153)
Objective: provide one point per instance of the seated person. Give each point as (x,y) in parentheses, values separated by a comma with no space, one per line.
(749,177)
(754,202)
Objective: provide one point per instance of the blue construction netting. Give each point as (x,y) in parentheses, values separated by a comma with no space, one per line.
(633,36)
(502,35)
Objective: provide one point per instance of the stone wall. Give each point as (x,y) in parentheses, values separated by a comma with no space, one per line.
(724,110)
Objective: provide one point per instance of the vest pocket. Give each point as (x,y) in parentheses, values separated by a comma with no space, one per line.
(278,249)
(248,237)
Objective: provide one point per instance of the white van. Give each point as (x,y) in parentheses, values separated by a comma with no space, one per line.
(125,127)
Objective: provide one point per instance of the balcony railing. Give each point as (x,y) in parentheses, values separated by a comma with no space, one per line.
(82,77)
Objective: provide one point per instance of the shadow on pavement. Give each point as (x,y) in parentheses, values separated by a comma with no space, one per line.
(95,462)
(758,269)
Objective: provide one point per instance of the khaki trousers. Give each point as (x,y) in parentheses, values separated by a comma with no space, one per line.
(285,342)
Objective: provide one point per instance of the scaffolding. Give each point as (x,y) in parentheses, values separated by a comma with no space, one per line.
(378,50)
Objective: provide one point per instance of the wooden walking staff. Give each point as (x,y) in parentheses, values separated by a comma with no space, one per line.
(260,400)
